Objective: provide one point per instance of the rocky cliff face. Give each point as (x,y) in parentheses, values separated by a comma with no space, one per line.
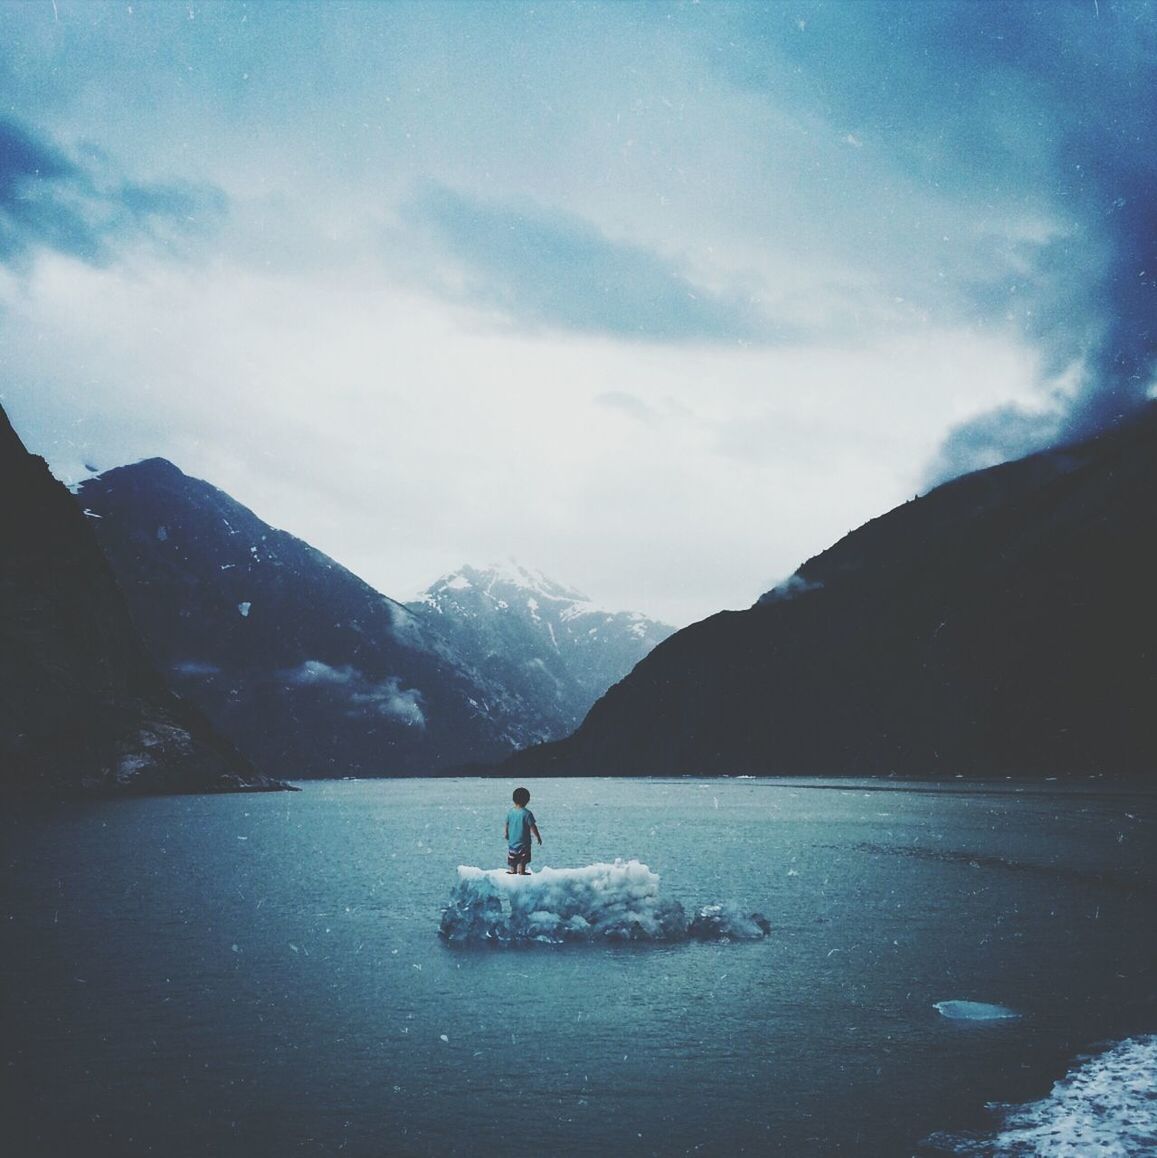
(552,649)
(81,707)
(306,668)
(1003,625)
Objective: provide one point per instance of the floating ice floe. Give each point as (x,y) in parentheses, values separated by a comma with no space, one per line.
(974,1011)
(600,902)
(1103,1106)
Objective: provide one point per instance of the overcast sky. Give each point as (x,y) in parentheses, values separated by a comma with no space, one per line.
(660,299)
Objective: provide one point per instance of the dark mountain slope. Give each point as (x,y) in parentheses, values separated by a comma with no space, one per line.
(81,707)
(1004,624)
(308,669)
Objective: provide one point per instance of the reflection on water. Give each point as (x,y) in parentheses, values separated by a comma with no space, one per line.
(262,975)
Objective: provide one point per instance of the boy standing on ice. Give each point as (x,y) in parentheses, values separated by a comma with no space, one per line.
(520,827)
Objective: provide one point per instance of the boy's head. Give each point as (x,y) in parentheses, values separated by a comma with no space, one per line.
(521,797)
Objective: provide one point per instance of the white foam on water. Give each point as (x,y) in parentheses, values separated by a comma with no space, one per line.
(1105,1106)
(599,902)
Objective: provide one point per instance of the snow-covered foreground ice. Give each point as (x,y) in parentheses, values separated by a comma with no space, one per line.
(1105,1106)
(616,902)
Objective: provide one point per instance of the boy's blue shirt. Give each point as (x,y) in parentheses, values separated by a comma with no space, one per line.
(518,822)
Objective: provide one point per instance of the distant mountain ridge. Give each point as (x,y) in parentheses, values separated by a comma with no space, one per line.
(307,668)
(81,707)
(314,673)
(547,644)
(1005,624)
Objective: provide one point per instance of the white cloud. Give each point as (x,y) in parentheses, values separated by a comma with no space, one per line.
(314,673)
(404,441)
(300,365)
(365,696)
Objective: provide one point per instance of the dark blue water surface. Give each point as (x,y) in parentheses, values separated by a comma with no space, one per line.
(262,975)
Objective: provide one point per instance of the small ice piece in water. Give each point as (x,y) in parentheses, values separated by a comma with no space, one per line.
(727,923)
(244,608)
(974,1011)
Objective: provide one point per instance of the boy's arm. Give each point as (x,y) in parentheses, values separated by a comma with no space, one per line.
(534,833)
(506,831)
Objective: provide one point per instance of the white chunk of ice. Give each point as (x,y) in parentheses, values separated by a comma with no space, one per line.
(615,902)
(974,1011)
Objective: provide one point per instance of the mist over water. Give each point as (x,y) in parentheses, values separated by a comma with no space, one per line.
(264,975)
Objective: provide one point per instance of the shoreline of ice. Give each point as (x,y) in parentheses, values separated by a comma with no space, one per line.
(598,902)
(1104,1105)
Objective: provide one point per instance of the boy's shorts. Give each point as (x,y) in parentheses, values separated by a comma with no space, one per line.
(516,857)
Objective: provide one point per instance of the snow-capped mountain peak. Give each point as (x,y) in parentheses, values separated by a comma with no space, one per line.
(558,648)
(498,583)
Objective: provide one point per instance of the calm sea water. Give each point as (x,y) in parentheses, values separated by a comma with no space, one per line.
(262,976)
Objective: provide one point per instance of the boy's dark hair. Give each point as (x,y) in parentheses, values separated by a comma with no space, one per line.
(521,796)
